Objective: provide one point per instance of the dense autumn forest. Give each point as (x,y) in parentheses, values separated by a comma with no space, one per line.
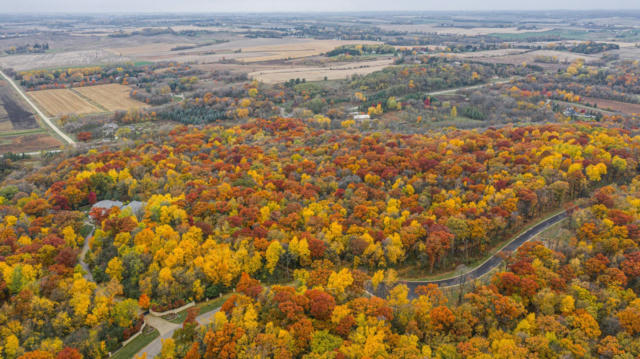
(298,222)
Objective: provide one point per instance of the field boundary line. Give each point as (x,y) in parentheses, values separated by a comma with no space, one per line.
(90,101)
(46,119)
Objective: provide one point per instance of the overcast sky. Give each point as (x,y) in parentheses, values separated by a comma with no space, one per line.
(302,5)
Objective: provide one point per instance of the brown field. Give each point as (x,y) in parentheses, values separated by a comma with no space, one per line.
(604,104)
(28,143)
(486,53)
(242,50)
(145,49)
(61,102)
(517,57)
(60,59)
(5,126)
(429,28)
(293,50)
(112,97)
(318,73)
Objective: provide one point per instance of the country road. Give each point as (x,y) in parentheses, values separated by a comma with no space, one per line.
(454,90)
(44,118)
(494,260)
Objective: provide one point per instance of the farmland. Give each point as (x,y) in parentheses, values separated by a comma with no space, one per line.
(624,107)
(112,97)
(62,102)
(86,100)
(13,115)
(430,28)
(292,50)
(335,72)
(19,129)
(29,141)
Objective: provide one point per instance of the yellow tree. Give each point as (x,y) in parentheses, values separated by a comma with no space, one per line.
(273,255)
(114,269)
(338,282)
(300,250)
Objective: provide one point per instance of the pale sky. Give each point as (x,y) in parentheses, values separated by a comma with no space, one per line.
(10,6)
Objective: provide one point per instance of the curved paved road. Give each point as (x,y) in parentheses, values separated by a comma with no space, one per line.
(166,330)
(494,260)
(44,118)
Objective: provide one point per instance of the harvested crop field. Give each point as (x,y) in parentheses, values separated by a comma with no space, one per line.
(517,57)
(319,73)
(112,97)
(141,50)
(473,31)
(28,143)
(242,50)
(62,102)
(293,50)
(60,59)
(85,100)
(604,104)
(13,112)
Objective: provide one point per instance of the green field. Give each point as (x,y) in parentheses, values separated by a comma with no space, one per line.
(129,350)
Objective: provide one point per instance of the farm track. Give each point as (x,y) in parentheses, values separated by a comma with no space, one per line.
(44,118)
(454,90)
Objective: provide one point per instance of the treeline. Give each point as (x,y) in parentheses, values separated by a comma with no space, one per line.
(28,49)
(587,47)
(359,50)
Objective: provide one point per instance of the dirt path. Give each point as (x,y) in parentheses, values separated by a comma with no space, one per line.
(450,91)
(85,248)
(44,118)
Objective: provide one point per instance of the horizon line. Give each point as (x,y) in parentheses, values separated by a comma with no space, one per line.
(302,12)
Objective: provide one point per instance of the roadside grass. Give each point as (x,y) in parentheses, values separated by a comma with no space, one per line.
(129,350)
(85,229)
(203,307)
(23,132)
(413,272)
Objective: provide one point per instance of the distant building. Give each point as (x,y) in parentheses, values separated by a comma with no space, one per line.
(571,112)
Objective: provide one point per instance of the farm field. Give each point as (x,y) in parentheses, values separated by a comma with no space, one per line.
(319,73)
(60,102)
(112,97)
(19,129)
(31,141)
(242,50)
(13,114)
(145,49)
(429,28)
(293,50)
(60,59)
(517,57)
(628,108)
(85,100)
